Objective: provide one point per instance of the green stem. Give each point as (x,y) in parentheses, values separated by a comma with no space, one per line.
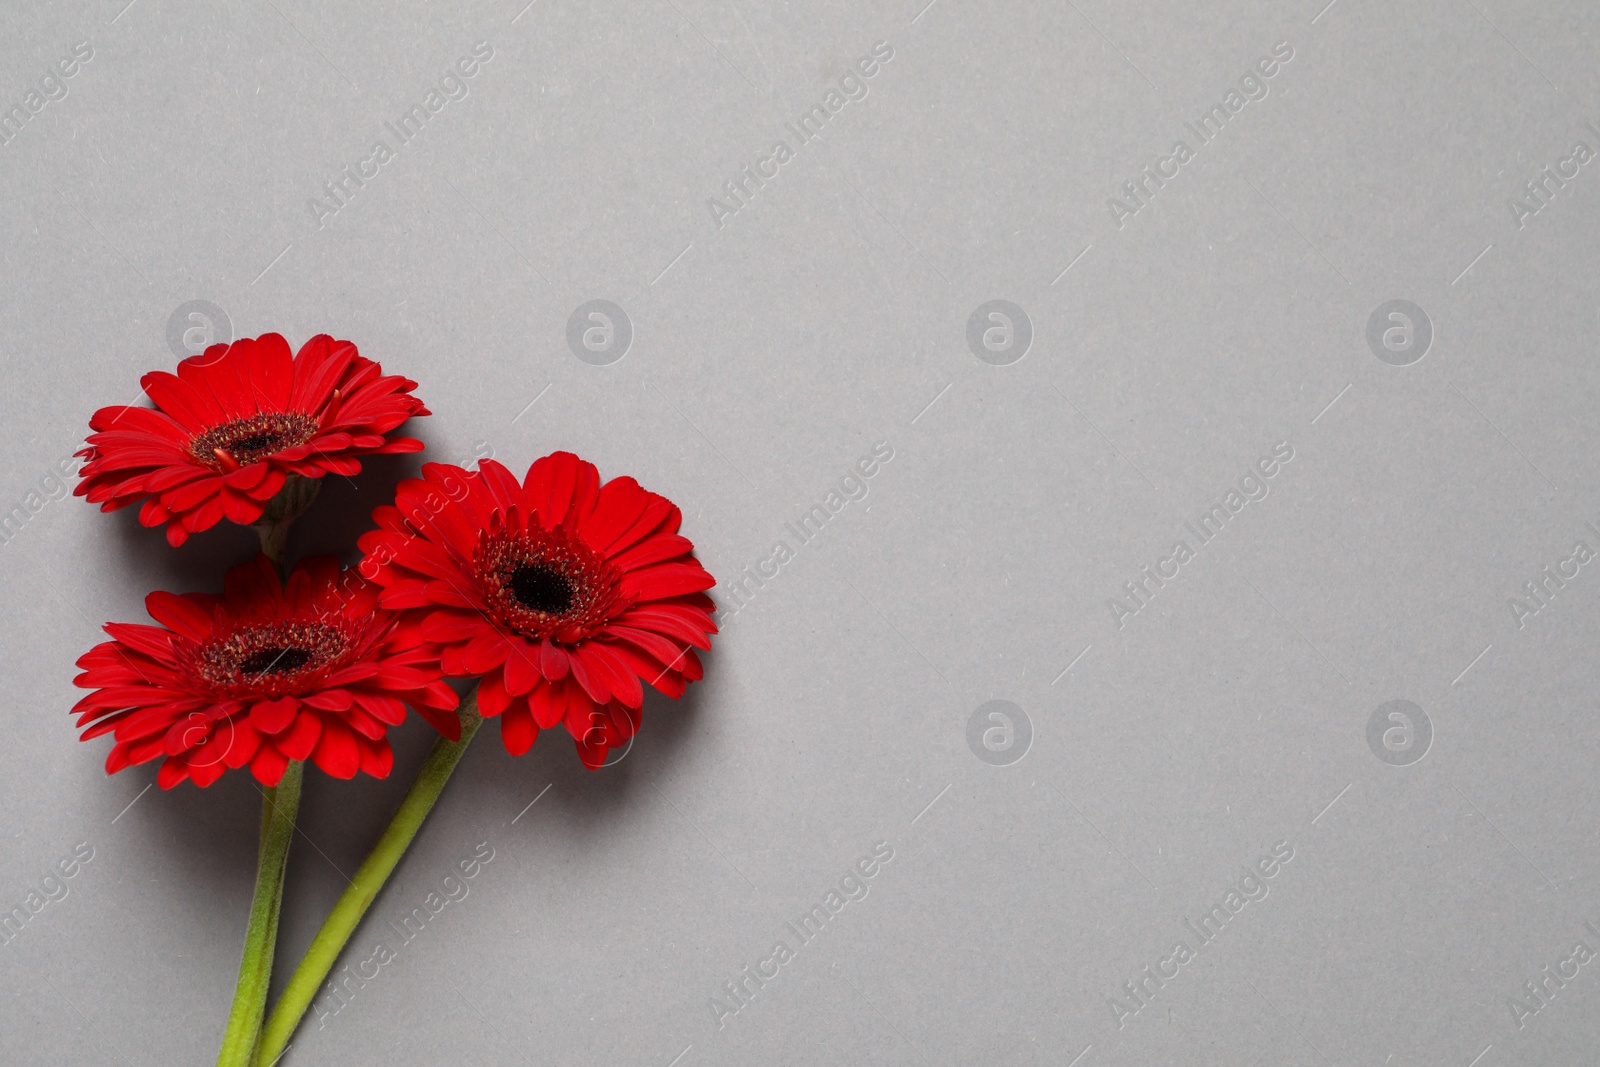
(281,511)
(278,809)
(364,887)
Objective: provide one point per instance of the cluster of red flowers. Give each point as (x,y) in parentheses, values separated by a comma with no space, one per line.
(564,595)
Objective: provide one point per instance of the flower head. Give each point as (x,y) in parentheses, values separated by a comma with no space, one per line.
(563,594)
(235,423)
(268,672)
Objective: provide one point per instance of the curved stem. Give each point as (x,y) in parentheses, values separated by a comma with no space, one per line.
(274,540)
(278,809)
(364,887)
(281,511)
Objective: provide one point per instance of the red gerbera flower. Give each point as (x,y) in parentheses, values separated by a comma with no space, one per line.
(560,592)
(263,674)
(234,423)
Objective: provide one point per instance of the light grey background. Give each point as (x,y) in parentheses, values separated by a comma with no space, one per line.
(769,354)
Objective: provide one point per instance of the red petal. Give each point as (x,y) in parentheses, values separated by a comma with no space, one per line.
(240,741)
(271,373)
(521,670)
(203,774)
(592,749)
(384,708)
(171,773)
(593,681)
(620,503)
(188,732)
(618,676)
(152,513)
(493,697)
(298,741)
(193,493)
(336,751)
(318,367)
(517,729)
(666,579)
(562,488)
(549,704)
(152,641)
(274,716)
(448,723)
(253,584)
(653,549)
(118,758)
(377,758)
(488,651)
(179,614)
(268,764)
(193,407)
(553,661)
(247,477)
(240,508)
(329,699)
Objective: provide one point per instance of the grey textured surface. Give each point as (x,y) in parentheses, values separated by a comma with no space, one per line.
(1175,342)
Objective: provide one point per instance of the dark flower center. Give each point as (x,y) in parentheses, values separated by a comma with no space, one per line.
(275,661)
(546,583)
(253,439)
(258,442)
(271,659)
(540,587)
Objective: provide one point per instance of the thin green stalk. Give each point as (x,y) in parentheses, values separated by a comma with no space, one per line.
(278,810)
(364,887)
(281,511)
